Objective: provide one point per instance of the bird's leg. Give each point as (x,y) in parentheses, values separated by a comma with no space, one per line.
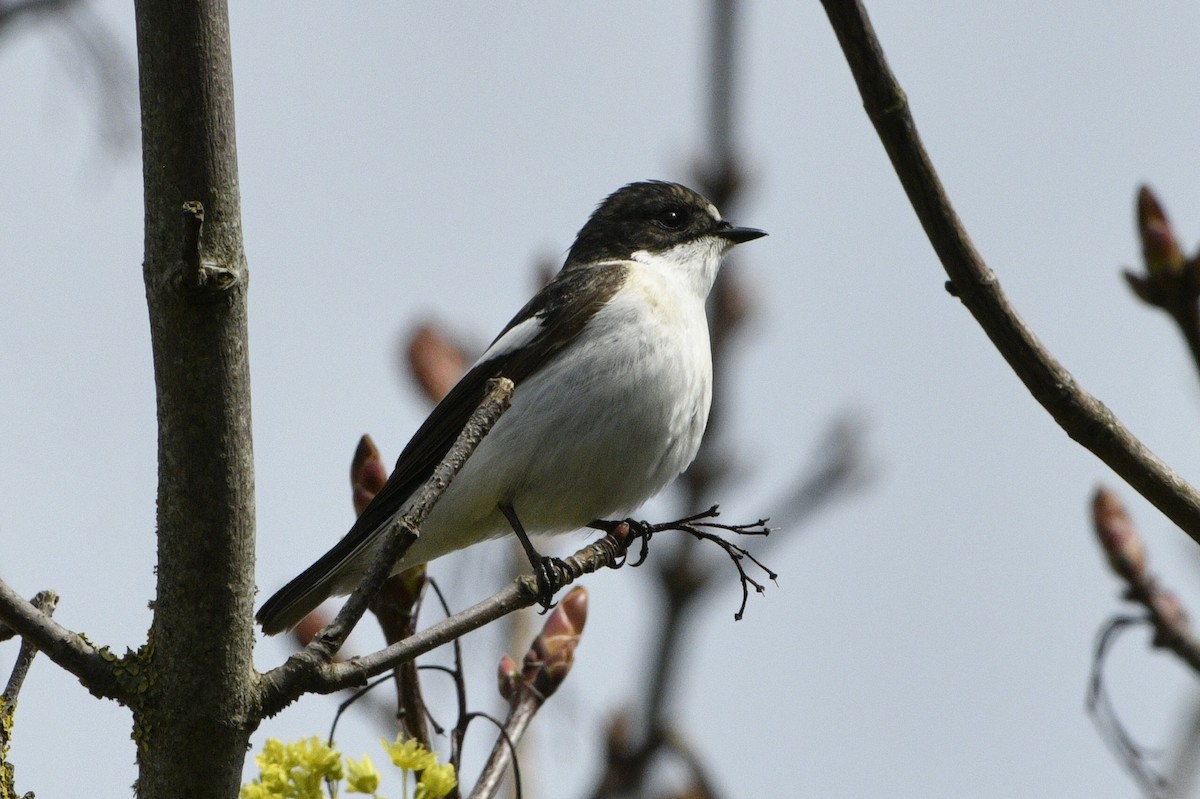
(544,568)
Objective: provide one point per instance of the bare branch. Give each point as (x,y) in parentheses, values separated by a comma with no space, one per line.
(68,649)
(546,665)
(1127,556)
(45,601)
(284,684)
(398,603)
(1082,416)
(1136,759)
(699,527)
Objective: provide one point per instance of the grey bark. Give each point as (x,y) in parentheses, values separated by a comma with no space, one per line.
(199,706)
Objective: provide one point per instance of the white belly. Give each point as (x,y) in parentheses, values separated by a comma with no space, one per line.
(605,426)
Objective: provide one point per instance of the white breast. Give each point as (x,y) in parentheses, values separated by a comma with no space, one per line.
(607,424)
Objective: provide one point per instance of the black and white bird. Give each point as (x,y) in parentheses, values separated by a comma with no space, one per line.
(613,374)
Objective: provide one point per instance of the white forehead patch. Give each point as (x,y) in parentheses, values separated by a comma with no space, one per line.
(712,210)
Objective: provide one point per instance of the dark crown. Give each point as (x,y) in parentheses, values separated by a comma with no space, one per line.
(653,215)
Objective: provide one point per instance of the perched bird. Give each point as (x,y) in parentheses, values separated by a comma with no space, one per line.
(613,374)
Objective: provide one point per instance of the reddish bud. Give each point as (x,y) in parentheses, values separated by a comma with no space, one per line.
(1118,536)
(549,660)
(507,677)
(1164,258)
(435,361)
(367,473)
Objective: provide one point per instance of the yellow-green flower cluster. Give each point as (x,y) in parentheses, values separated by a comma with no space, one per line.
(435,780)
(293,771)
(361,777)
(296,771)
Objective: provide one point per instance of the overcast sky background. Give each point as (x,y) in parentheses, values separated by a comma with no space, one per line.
(930,637)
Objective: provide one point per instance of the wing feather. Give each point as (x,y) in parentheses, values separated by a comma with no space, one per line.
(561,309)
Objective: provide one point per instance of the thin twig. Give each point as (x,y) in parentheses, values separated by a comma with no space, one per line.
(1099,705)
(1165,615)
(1126,553)
(66,648)
(458,677)
(44,601)
(544,669)
(1082,416)
(699,526)
(504,752)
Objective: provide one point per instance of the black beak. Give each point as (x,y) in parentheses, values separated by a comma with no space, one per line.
(740,235)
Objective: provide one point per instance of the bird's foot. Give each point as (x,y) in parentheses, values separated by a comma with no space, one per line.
(549,573)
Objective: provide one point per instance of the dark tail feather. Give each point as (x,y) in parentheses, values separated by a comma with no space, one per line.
(290,604)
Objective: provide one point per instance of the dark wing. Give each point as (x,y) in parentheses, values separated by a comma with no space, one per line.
(555,315)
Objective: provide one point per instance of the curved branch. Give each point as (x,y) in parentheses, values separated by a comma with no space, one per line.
(68,649)
(1082,416)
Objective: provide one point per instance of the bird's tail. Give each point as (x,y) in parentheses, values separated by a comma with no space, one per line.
(291,604)
(332,574)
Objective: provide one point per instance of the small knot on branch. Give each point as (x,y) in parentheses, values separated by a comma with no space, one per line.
(200,274)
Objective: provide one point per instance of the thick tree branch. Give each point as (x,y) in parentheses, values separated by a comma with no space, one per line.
(1082,416)
(68,649)
(199,702)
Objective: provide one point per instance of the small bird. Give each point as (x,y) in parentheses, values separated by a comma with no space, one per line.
(613,379)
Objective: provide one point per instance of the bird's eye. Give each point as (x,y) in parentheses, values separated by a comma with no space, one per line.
(672,218)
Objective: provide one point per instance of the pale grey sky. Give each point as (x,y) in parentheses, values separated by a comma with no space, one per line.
(929,638)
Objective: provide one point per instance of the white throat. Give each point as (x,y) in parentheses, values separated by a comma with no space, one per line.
(694,263)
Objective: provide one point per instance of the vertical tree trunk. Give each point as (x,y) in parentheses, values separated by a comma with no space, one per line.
(199,708)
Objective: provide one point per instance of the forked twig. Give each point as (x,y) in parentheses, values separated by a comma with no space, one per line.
(699,526)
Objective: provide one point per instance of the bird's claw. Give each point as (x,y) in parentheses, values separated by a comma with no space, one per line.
(548,571)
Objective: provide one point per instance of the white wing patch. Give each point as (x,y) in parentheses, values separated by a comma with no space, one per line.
(518,336)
